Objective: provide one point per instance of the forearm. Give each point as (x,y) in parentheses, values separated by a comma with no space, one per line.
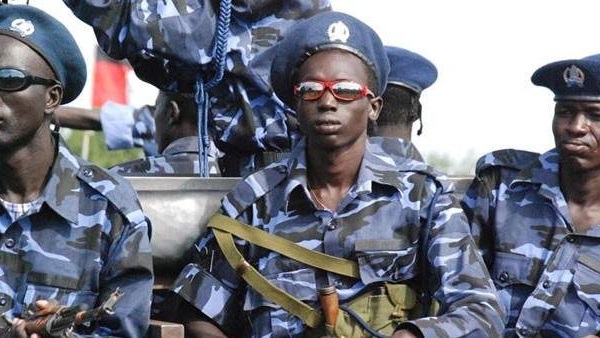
(458,280)
(78,118)
(469,306)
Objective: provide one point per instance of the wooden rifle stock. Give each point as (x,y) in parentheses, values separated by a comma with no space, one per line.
(330,304)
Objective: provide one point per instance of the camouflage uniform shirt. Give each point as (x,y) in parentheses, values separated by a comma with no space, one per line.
(546,274)
(377,224)
(398,147)
(179,158)
(87,237)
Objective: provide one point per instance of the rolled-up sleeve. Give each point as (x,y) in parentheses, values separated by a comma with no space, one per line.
(209,283)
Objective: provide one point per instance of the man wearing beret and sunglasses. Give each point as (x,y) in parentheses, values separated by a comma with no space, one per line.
(340,239)
(71,234)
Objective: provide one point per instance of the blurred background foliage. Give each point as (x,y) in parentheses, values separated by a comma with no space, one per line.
(95,151)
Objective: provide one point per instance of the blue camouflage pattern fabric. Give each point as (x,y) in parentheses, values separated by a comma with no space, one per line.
(163,43)
(377,225)
(546,274)
(398,147)
(88,237)
(179,158)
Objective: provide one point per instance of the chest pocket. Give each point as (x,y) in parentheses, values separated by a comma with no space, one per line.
(587,275)
(385,260)
(512,269)
(63,291)
(299,284)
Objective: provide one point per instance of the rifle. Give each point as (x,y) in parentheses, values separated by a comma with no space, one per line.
(57,320)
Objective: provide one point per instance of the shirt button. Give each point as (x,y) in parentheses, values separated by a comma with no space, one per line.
(332,225)
(504,276)
(524,331)
(9,242)
(87,172)
(546,284)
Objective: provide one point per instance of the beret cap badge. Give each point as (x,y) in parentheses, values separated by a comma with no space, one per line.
(338,31)
(573,76)
(22,26)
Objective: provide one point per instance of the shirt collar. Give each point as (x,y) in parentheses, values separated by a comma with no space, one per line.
(376,168)
(544,170)
(188,144)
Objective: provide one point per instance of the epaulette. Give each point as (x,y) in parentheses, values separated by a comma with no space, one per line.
(508,158)
(397,151)
(115,188)
(253,187)
(439,178)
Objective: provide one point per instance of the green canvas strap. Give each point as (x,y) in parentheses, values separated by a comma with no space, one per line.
(285,247)
(225,227)
(307,314)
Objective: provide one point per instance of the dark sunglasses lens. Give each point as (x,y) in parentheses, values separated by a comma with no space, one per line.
(12,79)
(347,90)
(310,90)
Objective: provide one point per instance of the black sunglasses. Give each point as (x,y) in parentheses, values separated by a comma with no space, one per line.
(14,80)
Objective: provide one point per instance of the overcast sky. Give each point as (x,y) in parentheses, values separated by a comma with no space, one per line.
(485,52)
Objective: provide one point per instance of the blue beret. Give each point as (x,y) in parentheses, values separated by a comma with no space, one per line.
(571,79)
(410,70)
(51,40)
(326,30)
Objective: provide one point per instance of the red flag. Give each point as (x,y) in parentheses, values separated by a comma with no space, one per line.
(110,80)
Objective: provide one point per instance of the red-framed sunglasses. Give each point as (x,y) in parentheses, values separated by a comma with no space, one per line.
(343,90)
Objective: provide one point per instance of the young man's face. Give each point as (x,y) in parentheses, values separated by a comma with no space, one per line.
(23,113)
(576,128)
(329,122)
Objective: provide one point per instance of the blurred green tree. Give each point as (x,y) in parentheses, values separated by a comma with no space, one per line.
(96,149)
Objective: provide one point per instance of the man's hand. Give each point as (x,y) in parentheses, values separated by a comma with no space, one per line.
(202,329)
(18,330)
(42,308)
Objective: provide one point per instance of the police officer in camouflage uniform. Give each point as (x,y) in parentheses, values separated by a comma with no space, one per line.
(536,216)
(176,122)
(342,195)
(70,232)
(410,73)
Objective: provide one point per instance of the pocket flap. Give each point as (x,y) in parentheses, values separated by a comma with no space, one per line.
(380,245)
(385,260)
(510,268)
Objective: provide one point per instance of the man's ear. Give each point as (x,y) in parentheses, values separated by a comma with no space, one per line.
(375,103)
(173,113)
(54,96)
